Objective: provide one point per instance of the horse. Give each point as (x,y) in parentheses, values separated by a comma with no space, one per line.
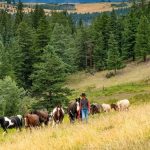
(106,107)
(123,105)
(95,108)
(57,115)
(74,110)
(43,116)
(115,107)
(31,120)
(11,122)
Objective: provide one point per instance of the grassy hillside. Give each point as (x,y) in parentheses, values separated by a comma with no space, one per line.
(114,131)
(129,82)
(132,73)
(107,131)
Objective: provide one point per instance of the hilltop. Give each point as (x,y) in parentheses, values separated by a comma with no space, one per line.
(79,8)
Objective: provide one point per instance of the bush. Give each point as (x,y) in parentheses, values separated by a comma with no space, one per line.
(110,74)
(10,97)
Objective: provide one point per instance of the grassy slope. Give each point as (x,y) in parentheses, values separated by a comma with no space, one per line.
(129,82)
(112,131)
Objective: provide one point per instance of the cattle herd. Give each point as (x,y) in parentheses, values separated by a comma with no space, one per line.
(39,117)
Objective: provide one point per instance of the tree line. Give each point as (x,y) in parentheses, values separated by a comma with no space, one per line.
(37,52)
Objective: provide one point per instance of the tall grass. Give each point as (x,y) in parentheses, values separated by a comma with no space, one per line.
(132,73)
(109,131)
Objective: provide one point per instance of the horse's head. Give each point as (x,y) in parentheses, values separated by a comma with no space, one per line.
(26,119)
(58,111)
(78,104)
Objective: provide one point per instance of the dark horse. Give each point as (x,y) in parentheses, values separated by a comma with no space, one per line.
(95,108)
(31,120)
(74,110)
(11,122)
(114,106)
(58,115)
(43,116)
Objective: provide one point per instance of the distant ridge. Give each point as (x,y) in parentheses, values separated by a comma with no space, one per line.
(68,1)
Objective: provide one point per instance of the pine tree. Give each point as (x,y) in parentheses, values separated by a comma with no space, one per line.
(5,66)
(64,44)
(19,14)
(100,54)
(142,46)
(85,48)
(16,60)
(42,38)
(36,16)
(129,35)
(48,79)
(113,61)
(101,25)
(81,49)
(25,41)
(115,27)
(6,30)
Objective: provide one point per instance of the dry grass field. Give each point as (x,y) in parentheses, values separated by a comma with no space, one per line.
(93,7)
(132,73)
(113,131)
(79,8)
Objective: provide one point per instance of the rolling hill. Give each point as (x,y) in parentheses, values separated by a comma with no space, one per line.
(68,1)
(114,130)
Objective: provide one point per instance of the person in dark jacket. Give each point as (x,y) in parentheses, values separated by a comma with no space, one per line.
(85,107)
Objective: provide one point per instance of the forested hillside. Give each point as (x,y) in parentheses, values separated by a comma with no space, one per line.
(38,52)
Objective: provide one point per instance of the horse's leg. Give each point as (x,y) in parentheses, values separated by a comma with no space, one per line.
(20,126)
(46,122)
(16,125)
(53,124)
(4,128)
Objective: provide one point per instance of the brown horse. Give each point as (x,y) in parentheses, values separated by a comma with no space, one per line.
(95,108)
(114,106)
(31,120)
(58,115)
(74,110)
(43,116)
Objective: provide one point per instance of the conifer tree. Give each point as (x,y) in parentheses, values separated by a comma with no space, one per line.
(113,61)
(64,44)
(36,16)
(25,41)
(129,35)
(100,54)
(19,14)
(142,46)
(48,79)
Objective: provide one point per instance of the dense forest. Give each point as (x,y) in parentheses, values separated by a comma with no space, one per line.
(37,52)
